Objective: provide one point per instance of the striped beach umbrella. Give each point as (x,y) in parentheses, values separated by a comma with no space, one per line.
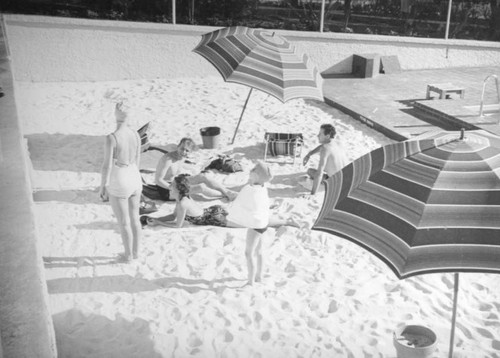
(263,60)
(422,206)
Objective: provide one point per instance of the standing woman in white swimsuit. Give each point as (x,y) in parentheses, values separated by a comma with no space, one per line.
(121,181)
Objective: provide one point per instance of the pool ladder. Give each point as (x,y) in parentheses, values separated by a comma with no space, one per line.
(481,114)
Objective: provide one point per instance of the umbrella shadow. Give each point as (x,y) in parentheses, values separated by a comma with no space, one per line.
(129,284)
(70,152)
(74,329)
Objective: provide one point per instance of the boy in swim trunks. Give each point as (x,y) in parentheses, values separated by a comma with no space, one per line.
(332,157)
(250,209)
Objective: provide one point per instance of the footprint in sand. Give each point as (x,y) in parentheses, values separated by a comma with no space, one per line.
(492,316)
(265,336)
(176,314)
(478,287)
(257,318)
(247,320)
(228,337)
(485,307)
(290,268)
(228,240)
(485,333)
(333,307)
(496,345)
(351,292)
(285,306)
(194,341)
(466,331)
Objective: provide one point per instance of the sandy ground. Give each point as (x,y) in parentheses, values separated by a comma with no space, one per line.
(321,296)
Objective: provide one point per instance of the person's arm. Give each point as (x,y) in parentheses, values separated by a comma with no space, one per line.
(312,152)
(177,218)
(319,174)
(138,156)
(106,168)
(166,218)
(161,171)
(170,219)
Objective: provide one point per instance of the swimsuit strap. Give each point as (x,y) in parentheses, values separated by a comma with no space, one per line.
(115,149)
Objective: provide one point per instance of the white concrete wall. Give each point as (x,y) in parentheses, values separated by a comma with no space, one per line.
(49,49)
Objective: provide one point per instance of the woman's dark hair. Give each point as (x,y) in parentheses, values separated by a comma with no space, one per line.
(182,185)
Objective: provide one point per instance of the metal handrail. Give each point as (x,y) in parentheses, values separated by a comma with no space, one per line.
(482,93)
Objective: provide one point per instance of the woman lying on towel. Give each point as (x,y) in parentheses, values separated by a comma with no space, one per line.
(250,209)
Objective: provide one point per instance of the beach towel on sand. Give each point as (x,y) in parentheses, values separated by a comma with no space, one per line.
(225,164)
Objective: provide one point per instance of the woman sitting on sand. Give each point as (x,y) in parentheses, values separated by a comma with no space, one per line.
(121,182)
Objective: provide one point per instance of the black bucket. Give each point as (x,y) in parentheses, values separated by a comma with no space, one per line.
(210,137)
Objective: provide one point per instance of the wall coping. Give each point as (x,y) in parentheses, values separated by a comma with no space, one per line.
(128,26)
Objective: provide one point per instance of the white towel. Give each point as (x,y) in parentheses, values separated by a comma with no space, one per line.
(250,208)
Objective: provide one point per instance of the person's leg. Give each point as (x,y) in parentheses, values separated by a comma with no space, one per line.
(277,221)
(311,173)
(135,223)
(258,253)
(251,244)
(205,191)
(213,185)
(120,209)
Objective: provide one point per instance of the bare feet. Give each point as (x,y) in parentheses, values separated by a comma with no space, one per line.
(292,222)
(124,258)
(231,195)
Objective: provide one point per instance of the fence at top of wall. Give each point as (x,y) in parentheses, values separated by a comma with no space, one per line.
(48,49)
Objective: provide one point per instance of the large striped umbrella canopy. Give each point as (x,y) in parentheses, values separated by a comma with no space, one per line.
(263,60)
(422,206)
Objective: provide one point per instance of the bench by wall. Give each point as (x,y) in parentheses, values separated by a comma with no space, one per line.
(46,49)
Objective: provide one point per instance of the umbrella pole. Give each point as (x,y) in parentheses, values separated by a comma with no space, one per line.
(241,116)
(454,314)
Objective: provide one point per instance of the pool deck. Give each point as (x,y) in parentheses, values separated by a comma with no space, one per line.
(396,104)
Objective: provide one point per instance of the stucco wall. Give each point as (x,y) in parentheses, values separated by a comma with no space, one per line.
(26,328)
(64,49)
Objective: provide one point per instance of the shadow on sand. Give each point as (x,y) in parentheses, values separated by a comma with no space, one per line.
(126,283)
(69,196)
(80,153)
(75,331)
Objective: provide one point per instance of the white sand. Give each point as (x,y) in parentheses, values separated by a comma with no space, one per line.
(321,296)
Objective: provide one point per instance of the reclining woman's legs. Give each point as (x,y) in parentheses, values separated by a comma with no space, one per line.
(211,186)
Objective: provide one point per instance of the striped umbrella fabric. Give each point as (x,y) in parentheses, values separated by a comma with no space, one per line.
(422,206)
(263,60)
